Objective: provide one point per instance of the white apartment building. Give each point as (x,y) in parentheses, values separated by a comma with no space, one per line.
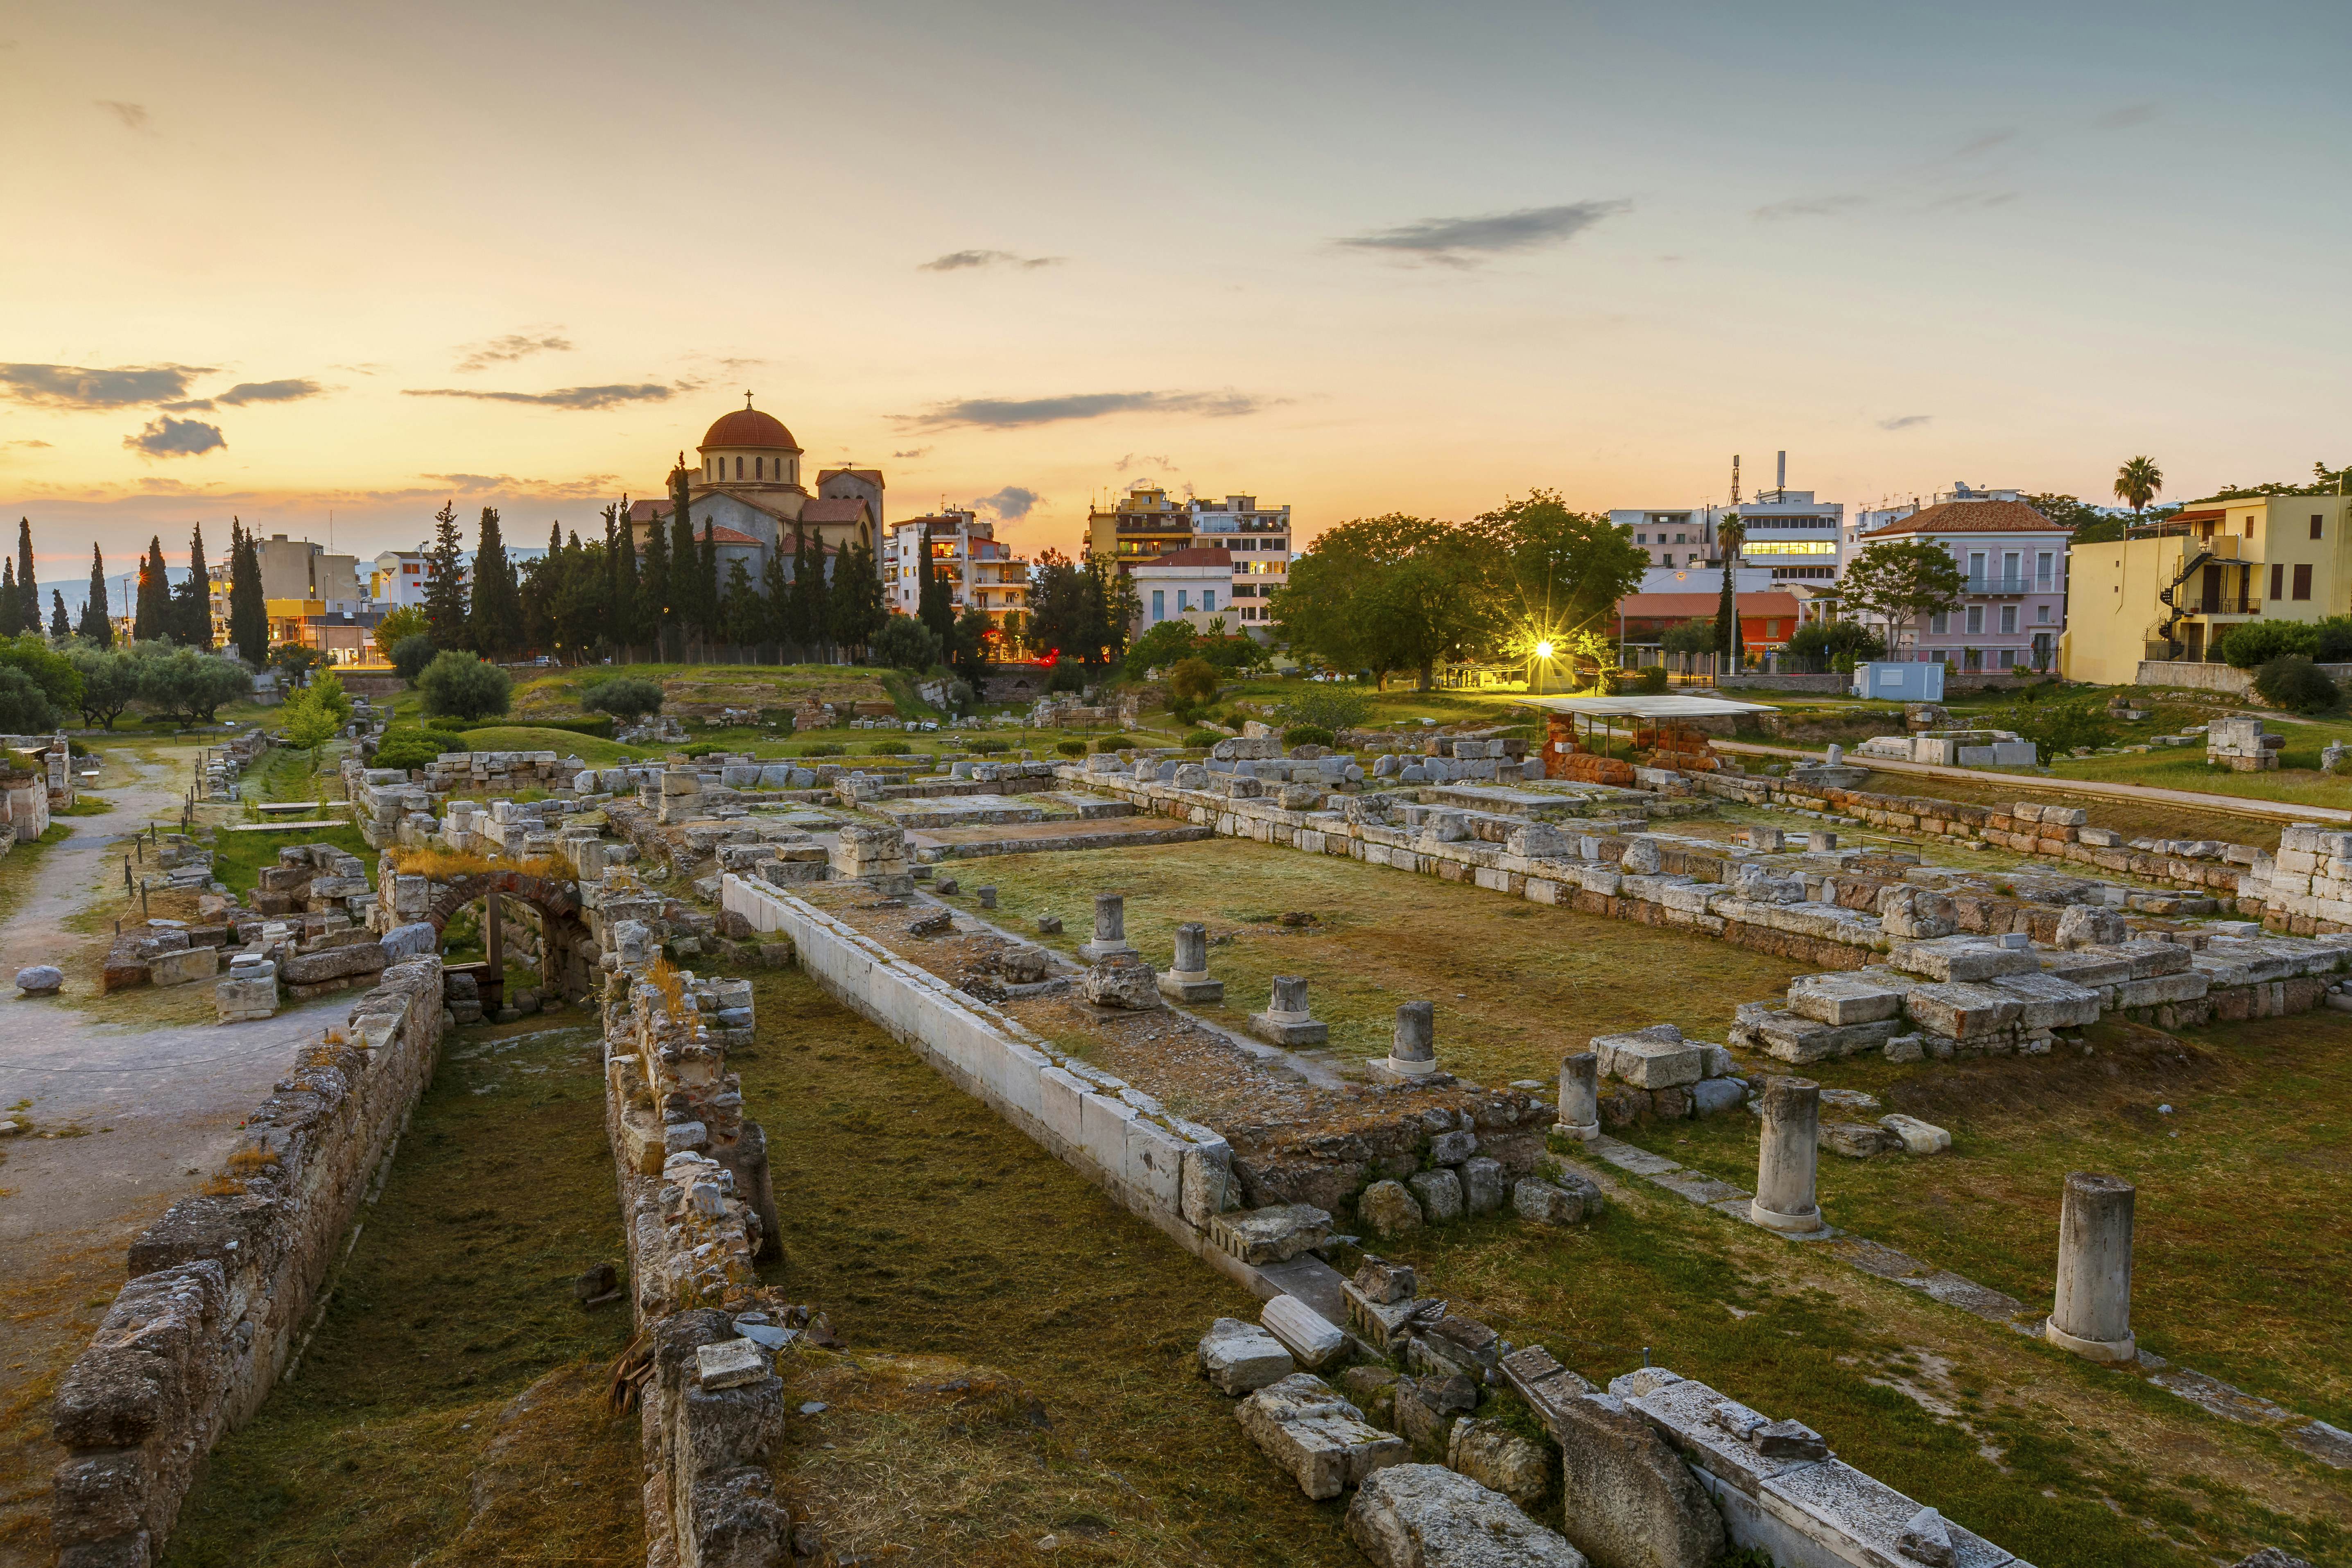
(1257,539)
(981,572)
(1192,585)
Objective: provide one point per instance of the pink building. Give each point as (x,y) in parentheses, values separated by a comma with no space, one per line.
(2013,600)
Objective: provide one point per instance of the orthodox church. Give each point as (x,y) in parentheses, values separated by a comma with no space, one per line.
(747,491)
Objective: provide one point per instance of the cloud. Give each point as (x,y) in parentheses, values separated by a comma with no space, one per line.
(78,386)
(508,349)
(1810,206)
(575,397)
(188,405)
(1905,421)
(1142,461)
(358,369)
(170,437)
(1012,503)
(1011,413)
(1463,241)
(592,487)
(912,452)
(288,390)
(1978,146)
(28,443)
(1972,201)
(133,115)
(2124,118)
(961,260)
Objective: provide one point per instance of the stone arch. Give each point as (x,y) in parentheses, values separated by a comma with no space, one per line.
(566,967)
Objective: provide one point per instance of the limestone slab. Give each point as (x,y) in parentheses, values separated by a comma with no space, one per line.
(1240,1358)
(1317,1439)
(1427,1516)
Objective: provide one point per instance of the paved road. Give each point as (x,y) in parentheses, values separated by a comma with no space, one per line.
(156,1112)
(2242,805)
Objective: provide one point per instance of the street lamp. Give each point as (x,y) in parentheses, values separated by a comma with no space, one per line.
(1535,666)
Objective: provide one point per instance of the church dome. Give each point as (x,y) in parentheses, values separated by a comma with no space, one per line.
(746,429)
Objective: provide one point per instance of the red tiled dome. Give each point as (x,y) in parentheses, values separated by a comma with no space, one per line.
(748,428)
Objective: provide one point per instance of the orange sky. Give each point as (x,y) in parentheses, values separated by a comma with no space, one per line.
(1355,258)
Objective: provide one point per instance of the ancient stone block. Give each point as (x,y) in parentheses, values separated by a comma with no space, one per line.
(1542,1203)
(1962,1010)
(1485,1187)
(1440,1193)
(1626,1497)
(1129,985)
(1499,1459)
(1962,958)
(731,1362)
(1319,1439)
(1239,1358)
(1311,1339)
(1425,1406)
(1453,1148)
(1654,1057)
(1274,1234)
(1847,996)
(1386,1209)
(182,967)
(1856,1139)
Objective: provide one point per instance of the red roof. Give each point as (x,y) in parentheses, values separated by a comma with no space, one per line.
(1702,607)
(1973,517)
(833,508)
(748,428)
(723,534)
(1201,557)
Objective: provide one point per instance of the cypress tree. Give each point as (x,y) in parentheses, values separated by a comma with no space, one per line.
(248,611)
(809,629)
(59,629)
(96,626)
(150,620)
(192,600)
(706,587)
(935,604)
(495,624)
(653,590)
(445,586)
(775,601)
(12,603)
(26,586)
(682,603)
(626,605)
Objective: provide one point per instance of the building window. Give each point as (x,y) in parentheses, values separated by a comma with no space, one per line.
(2041,566)
(1184,601)
(2009,617)
(2315,530)
(2303,580)
(1643,538)
(757,465)
(2278,580)
(2007,658)
(1940,622)
(2041,615)
(1975,613)
(1159,606)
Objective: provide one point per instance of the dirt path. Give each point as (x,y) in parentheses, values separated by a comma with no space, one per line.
(134,1117)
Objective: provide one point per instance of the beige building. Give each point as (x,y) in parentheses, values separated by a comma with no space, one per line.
(2173,588)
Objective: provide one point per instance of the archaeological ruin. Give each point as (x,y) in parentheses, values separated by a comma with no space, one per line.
(1404,1245)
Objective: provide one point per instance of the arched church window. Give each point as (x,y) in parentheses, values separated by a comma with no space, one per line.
(757,464)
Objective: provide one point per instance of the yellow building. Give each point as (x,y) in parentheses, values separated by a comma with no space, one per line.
(1142,523)
(2171,590)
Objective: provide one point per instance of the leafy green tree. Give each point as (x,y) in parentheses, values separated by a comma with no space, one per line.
(1689,639)
(1901,580)
(968,654)
(1565,570)
(411,654)
(109,682)
(1159,648)
(249,612)
(295,661)
(2246,645)
(180,682)
(97,627)
(905,642)
(445,581)
(1831,640)
(1324,706)
(494,623)
(1192,682)
(1386,594)
(25,709)
(325,689)
(460,686)
(627,698)
(309,725)
(398,625)
(2139,482)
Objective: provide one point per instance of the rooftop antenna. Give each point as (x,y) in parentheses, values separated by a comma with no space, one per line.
(1735,478)
(1780,479)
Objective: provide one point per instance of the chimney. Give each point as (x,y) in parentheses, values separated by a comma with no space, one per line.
(1781,478)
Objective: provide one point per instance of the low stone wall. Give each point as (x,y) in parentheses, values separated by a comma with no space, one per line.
(1167,1170)
(226,1283)
(1832,682)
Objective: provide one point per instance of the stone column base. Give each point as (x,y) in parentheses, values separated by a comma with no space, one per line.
(1804,1224)
(2107,1353)
(1282,1029)
(1095,951)
(1191,986)
(1583,1131)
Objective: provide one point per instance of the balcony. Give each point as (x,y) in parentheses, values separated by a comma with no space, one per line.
(1997,584)
(2222,605)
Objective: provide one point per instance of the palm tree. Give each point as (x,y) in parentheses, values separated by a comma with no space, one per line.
(2137,483)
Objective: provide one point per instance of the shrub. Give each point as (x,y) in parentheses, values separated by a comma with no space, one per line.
(989,745)
(405,747)
(1202,738)
(2252,644)
(1160,647)
(1071,748)
(625,697)
(180,682)
(1066,677)
(1848,639)
(701,749)
(462,686)
(1107,744)
(455,726)
(411,654)
(2334,634)
(2294,683)
(1333,708)
(24,707)
(1307,735)
(889,749)
(905,642)
(2059,727)
(1649,678)
(821,749)
(1192,680)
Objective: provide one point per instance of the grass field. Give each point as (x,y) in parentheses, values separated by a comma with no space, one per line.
(1517,985)
(387,1447)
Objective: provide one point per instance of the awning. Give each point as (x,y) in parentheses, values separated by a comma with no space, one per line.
(1667,706)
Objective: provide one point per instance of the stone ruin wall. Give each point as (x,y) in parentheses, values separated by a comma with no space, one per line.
(225,1286)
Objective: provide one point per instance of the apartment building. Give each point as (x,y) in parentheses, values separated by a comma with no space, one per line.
(1192,585)
(981,572)
(2012,559)
(1145,522)
(2170,589)
(1257,538)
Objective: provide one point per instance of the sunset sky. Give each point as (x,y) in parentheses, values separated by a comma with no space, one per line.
(272,260)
